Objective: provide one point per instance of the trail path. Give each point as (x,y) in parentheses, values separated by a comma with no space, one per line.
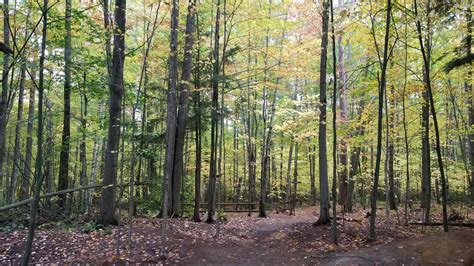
(277,240)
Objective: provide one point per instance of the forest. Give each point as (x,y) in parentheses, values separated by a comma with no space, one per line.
(236,132)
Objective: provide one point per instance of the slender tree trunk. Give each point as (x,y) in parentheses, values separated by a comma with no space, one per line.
(373,203)
(342,154)
(425,155)
(468,88)
(27,170)
(214,122)
(426,63)
(391,155)
(198,127)
(83,148)
(334,136)
(405,125)
(39,149)
(49,149)
(288,172)
(294,193)
(323,161)
(116,92)
(17,149)
(312,168)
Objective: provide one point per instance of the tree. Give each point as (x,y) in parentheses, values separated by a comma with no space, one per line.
(334,134)
(426,66)
(116,92)
(65,145)
(214,131)
(184,87)
(323,163)
(39,176)
(381,89)
(5,89)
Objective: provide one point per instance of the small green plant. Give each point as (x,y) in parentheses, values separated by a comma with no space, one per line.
(90,227)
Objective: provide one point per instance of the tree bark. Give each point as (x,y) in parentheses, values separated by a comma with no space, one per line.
(63,178)
(183,103)
(214,122)
(116,92)
(83,148)
(334,136)
(4,95)
(323,161)
(382,84)
(426,63)
(39,147)
(27,170)
(468,88)
(17,149)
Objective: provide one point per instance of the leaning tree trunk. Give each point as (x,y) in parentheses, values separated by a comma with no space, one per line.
(116,92)
(426,64)
(39,149)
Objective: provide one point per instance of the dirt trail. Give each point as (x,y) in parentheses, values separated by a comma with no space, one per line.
(242,240)
(453,248)
(292,240)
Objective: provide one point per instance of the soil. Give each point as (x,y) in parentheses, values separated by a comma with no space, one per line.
(279,239)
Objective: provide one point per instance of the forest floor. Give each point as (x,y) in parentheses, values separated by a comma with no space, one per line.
(276,240)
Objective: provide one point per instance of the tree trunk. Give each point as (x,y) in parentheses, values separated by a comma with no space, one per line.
(63,178)
(4,96)
(27,170)
(83,149)
(323,161)
(116,92)
(184,88)
(197,170)
(391,156)
(17,149)
(405,125)
(288,172)
(425,155)
(426,63)
(334,136)
(342,153)
(39,149)
(214,131)
(383,66)
(468,88)
(49,149)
